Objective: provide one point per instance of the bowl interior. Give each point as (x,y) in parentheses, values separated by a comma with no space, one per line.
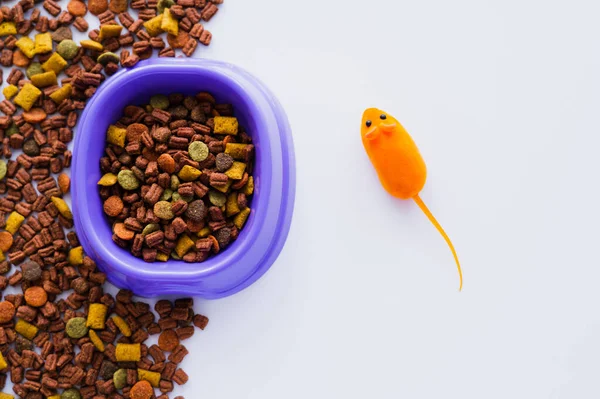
(136,87)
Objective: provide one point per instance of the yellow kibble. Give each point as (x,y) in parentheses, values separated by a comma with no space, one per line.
(55,63)
(205,232)
(50,397)
(248,189)
(96,340)
(75,256)
(226,125)
(27,96)
(27,46)
(161,257)
(240,219)
(62,207)
(189,173)
(108,31)
(27,330)
(224,188)
(122,325)
(2,256)
(44,79)
(184,244)
(236,172)
(10,91)
(107,180)
(3,364)
(116,135)
(151,376)
(91,45)
(14,221)
(232,207)
(64,92)
(128,352)
(97,316)
(153,26)
(9,396)
(236,150)
(169,24)
(43,43)
(8,28)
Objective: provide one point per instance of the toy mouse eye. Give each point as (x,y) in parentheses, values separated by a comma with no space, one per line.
(383,116)
(368,123)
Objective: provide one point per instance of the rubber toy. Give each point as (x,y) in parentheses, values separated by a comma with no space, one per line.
(398,163)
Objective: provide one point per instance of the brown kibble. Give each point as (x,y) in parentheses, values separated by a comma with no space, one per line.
(77,8)
(166,163)
(200,321)
(97,7)
(141,390)
(36,296)
(6,241)
(64,183)
(123,232)
(7,311)
(178,41)
(118,6)
(168,340)
(134,132)
(113,206)
(34,115)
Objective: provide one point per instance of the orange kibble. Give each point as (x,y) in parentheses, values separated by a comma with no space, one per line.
(113,206)
(7,311)
(141,390)
(6,241)
(134,132)
(77,8)
(34,115)
(178,41)
(20,59)
(123,232)
(36,297)
(64,183)
(166,163)
(168,340)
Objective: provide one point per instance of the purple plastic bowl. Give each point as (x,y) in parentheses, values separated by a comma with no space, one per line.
(266,230)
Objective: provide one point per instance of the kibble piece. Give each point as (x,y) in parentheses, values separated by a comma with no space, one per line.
(91,45)
(7,311)
(108,57)
(248,189)
(237,151)
(107,180)
(75,257)
(62,207)
(236,172)
(70,393)
(61,94)
(128,352)
(163,210)
(31,271)
(153,26)
(34,69)
(35,296)
(240,219)
(97,316)
(27,330)
(120,378)
(113,206)
(27,46)
(64,183)
(8,28)
(77,8)
(6,241)
(10,91)
(162,4)
(13,222)
(189,173)
(116,135)
(34,115)
(2,169)
(55,63)
(226,125)
(232,207)
(168,340)
(4,365)
(141,390)
(122,325)
(44,79)
(127,180)
(97,7)
(159,101)
(200,321)
(198,151)
(169,24)
(216,198)
(152,377)
(27,96)
(67,49)
(43,43)
(108,31)
(76,327)
(183,246)
(96,341)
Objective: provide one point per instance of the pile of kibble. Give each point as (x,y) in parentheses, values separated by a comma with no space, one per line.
(177,178)
(61,334)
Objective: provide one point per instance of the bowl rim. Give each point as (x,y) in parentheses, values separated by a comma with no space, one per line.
(265,111)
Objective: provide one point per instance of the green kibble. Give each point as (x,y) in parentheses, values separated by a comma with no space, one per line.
(76,327)
(34,69)
(163,210)
(216,198)
(175,197)
(175,256)
(67,49)
(12,129)
(162,4)
(2,169)
(107,58)
(127,180)
(198,151)
(70,394)
(166,195)
(174,182)
(120,378)
(187,198)
(159,101)
(150,228)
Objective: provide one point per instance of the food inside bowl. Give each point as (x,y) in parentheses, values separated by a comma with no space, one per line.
(177,177)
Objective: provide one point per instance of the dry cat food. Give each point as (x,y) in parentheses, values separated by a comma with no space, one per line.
(60,330)
(177,178)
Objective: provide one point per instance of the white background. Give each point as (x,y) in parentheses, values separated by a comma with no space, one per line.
(502,99)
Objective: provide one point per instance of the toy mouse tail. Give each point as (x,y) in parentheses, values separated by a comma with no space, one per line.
(432,219)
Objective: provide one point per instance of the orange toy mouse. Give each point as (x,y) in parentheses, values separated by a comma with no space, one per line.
(398,163)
